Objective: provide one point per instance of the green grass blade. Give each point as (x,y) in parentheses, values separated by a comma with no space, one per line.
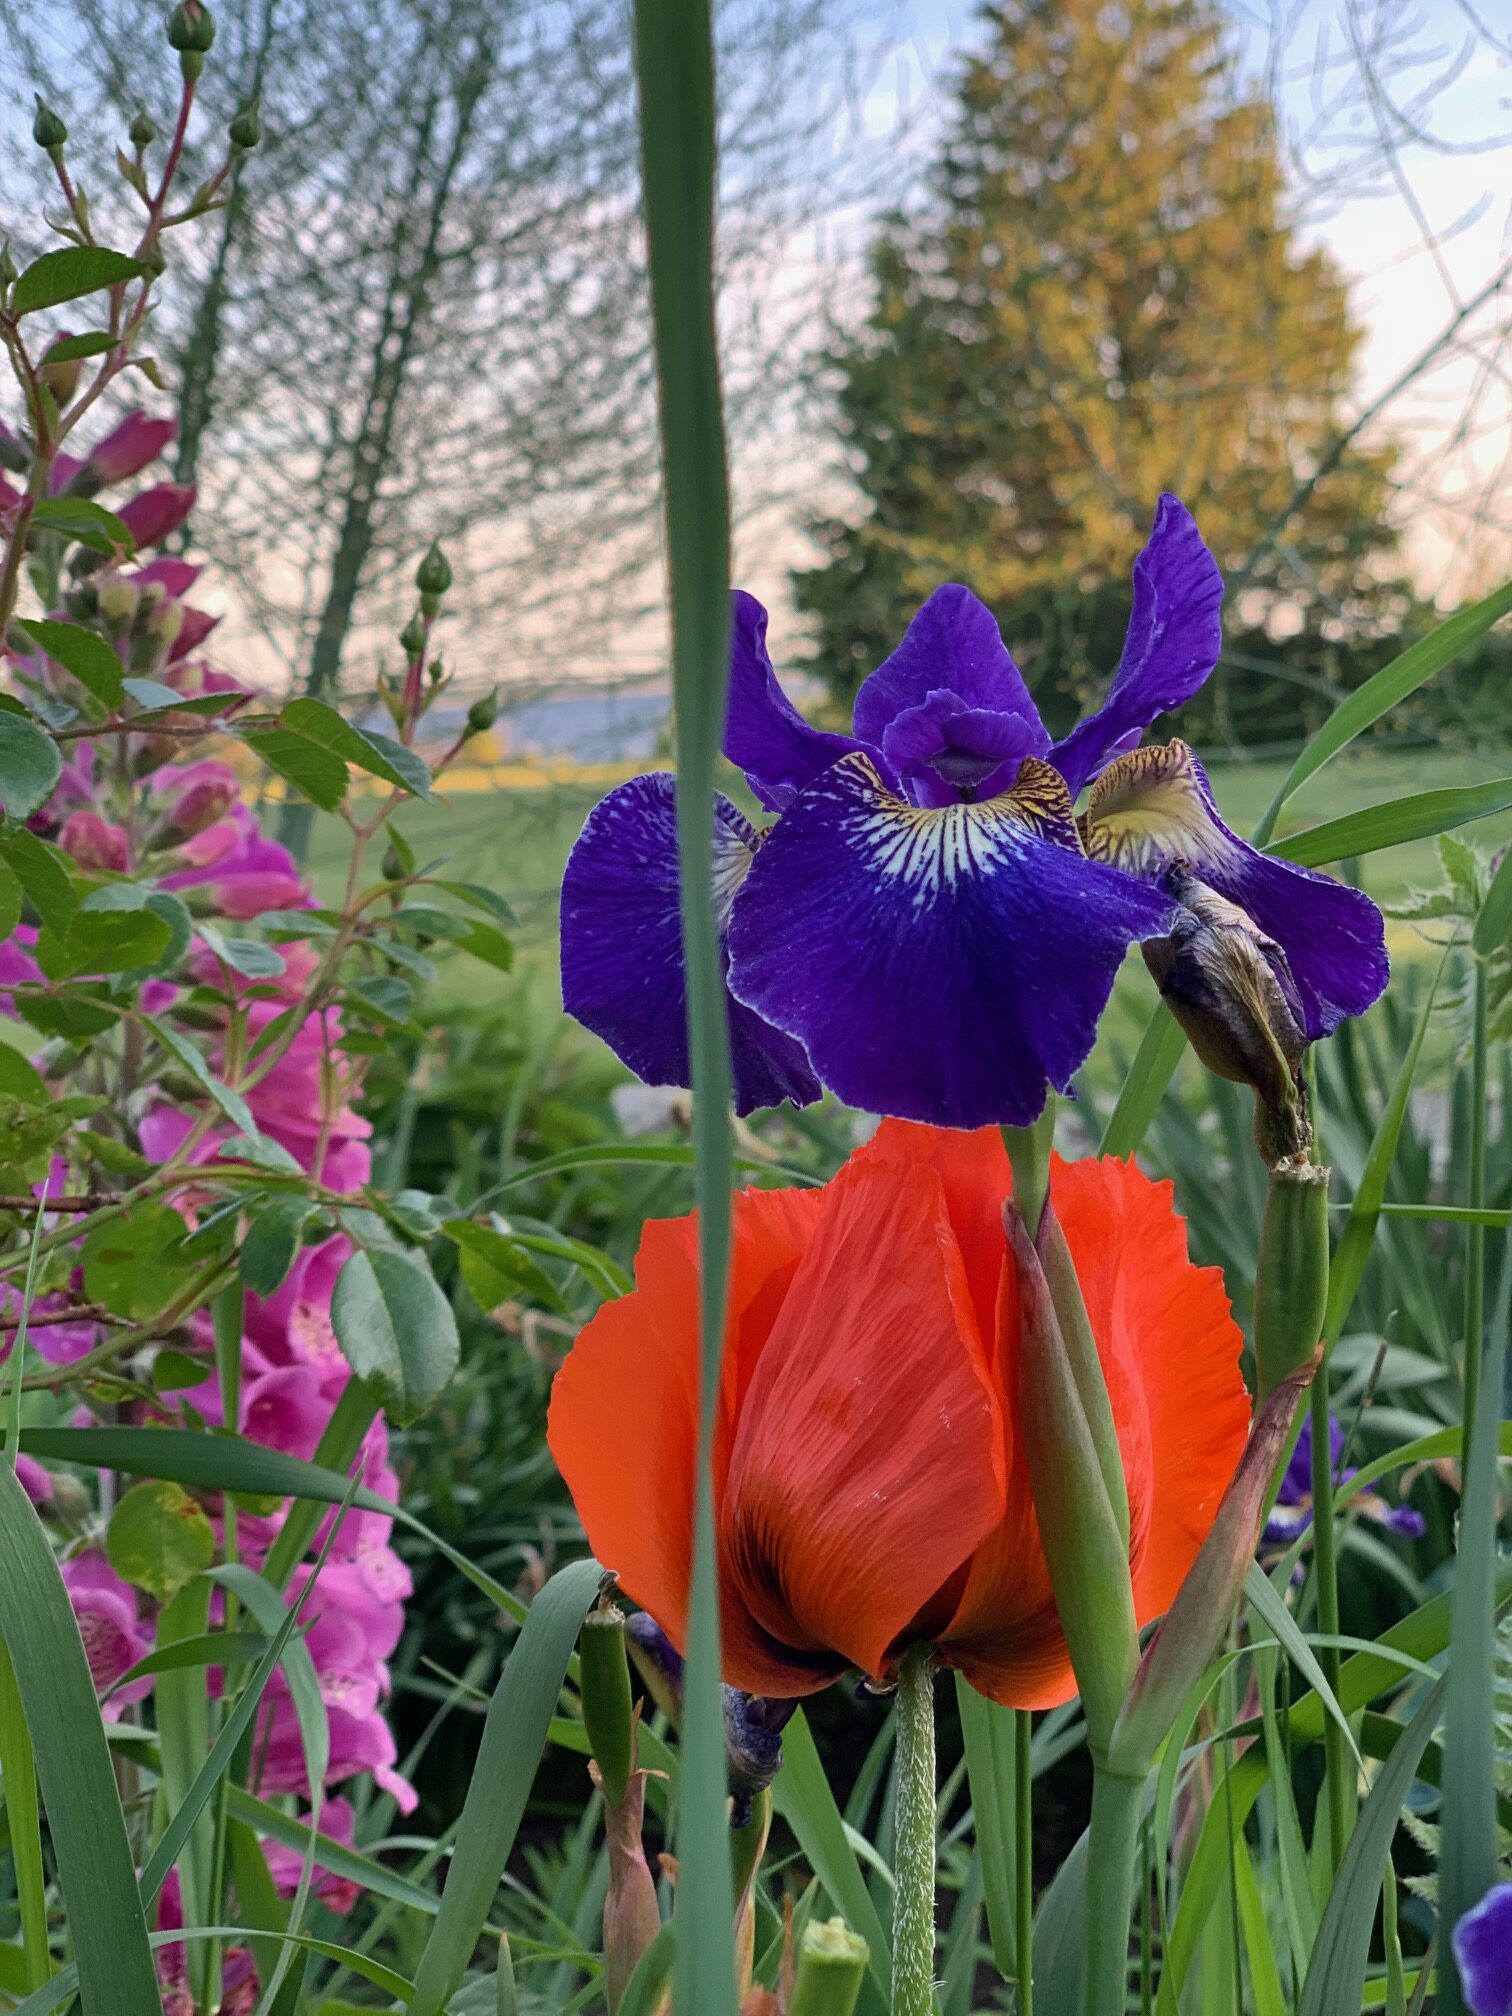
(1468,1857)
(514,1734)
(989,1733)
(674,61)
(18,1765)
(116,1974)
(1157,1057)
(1416,817)
(1265,1981)
(262,1819)
(1383,691)
(803,1797)
(1493,923)
(1272,1610)
(1336,1973)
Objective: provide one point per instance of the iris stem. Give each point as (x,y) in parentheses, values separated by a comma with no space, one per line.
(1475,1237)
(1023,1871)
(1029,1154)
(914,1860)
(1326,1584)
(1112,1852)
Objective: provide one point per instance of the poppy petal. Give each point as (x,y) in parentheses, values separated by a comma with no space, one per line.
(1174,637)
(941,964)
(765,735)
(1155,807)
(622,947)
(977,1181)
(953,645)
(847,1504)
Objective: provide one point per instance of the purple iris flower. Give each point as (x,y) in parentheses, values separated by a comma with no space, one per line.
(1293,1509)
(929,929)
(1483,1952)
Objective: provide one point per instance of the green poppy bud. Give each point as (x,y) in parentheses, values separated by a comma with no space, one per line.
(1230,988)
(245,129)
(605,1689)
(142,131)
(434,575)
(48,129)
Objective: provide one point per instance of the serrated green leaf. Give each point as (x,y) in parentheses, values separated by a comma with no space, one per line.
(135,1264)
(479,898)
(73,349)
(495,1268)
(159,1538)
(271,1243)
(1494,923)
(311,769)
(87,524)
(396,1330)
(10,902)
(82,653)
(247,956)
(491,946)
(391,1000)
(367,750)
(30,767)
(114,930)
(43,872)
(20,1078)
(231,1103)
(70,274)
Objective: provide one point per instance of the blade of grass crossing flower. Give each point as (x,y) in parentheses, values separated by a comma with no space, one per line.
(1419,816)
(183,1723)
(1383,691)
(1468,1856)
(674,58)
(514,1734)
(65,1983)
(990,1738)
(88,1833)
(1336,1973)
(1156,1059)
(18,1765)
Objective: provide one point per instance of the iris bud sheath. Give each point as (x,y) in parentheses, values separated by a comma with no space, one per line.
(1087,1553)
(605,1689)
(1291,1274)
(831,1968)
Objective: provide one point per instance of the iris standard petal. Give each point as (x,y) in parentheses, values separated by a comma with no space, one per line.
(1175,635)
(1155,807)
(943,750)
(622,951)
(765,735)
(943,964)
(953,645)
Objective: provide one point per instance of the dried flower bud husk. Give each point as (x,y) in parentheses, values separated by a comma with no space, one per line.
(1230,988)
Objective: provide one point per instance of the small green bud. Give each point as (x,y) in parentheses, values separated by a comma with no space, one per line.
(246,128)
(434,575)
(191,29)
(1291,1273)
(435,671)
(483,713)
(142,132)
(412,638)
(7,265)
(155,259)
(83,601)
(61,379)
(605,1689)
(48,129)
(506,2000)
(118,603)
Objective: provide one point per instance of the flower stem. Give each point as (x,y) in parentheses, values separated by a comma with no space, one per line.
(1326,1583)
(914,1862)
(1475,1236)
(1023,1865)
(1112,1853)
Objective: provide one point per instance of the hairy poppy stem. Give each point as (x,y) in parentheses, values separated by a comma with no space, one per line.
(914,1861)
(1112,1853)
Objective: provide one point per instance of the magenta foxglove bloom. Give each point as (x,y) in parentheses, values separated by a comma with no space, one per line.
(1483,1953)
(929,929)
(114,1640)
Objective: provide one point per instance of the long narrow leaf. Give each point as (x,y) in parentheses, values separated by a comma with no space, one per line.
(803,1798)
(116,1975)
(989,1734)
(1416,817)
(514,1735)
(1157,1057)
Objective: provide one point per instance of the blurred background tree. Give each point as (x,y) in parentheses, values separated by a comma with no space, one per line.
(1102,295)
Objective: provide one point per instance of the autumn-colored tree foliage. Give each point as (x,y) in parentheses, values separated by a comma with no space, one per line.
(1099,296)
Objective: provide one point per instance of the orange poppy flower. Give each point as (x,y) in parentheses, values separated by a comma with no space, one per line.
(871,1486)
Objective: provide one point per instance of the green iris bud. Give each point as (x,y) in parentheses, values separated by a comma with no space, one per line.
(1230,988)
(48,129)
(1291,1273)
(142,131)
(245,129)
(605,1689)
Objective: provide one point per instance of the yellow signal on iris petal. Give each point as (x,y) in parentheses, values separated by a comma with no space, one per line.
(1147,810)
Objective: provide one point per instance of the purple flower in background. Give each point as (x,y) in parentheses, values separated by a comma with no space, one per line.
(1483,1953)
(1293,1509)
(929,930)
(114,1640)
